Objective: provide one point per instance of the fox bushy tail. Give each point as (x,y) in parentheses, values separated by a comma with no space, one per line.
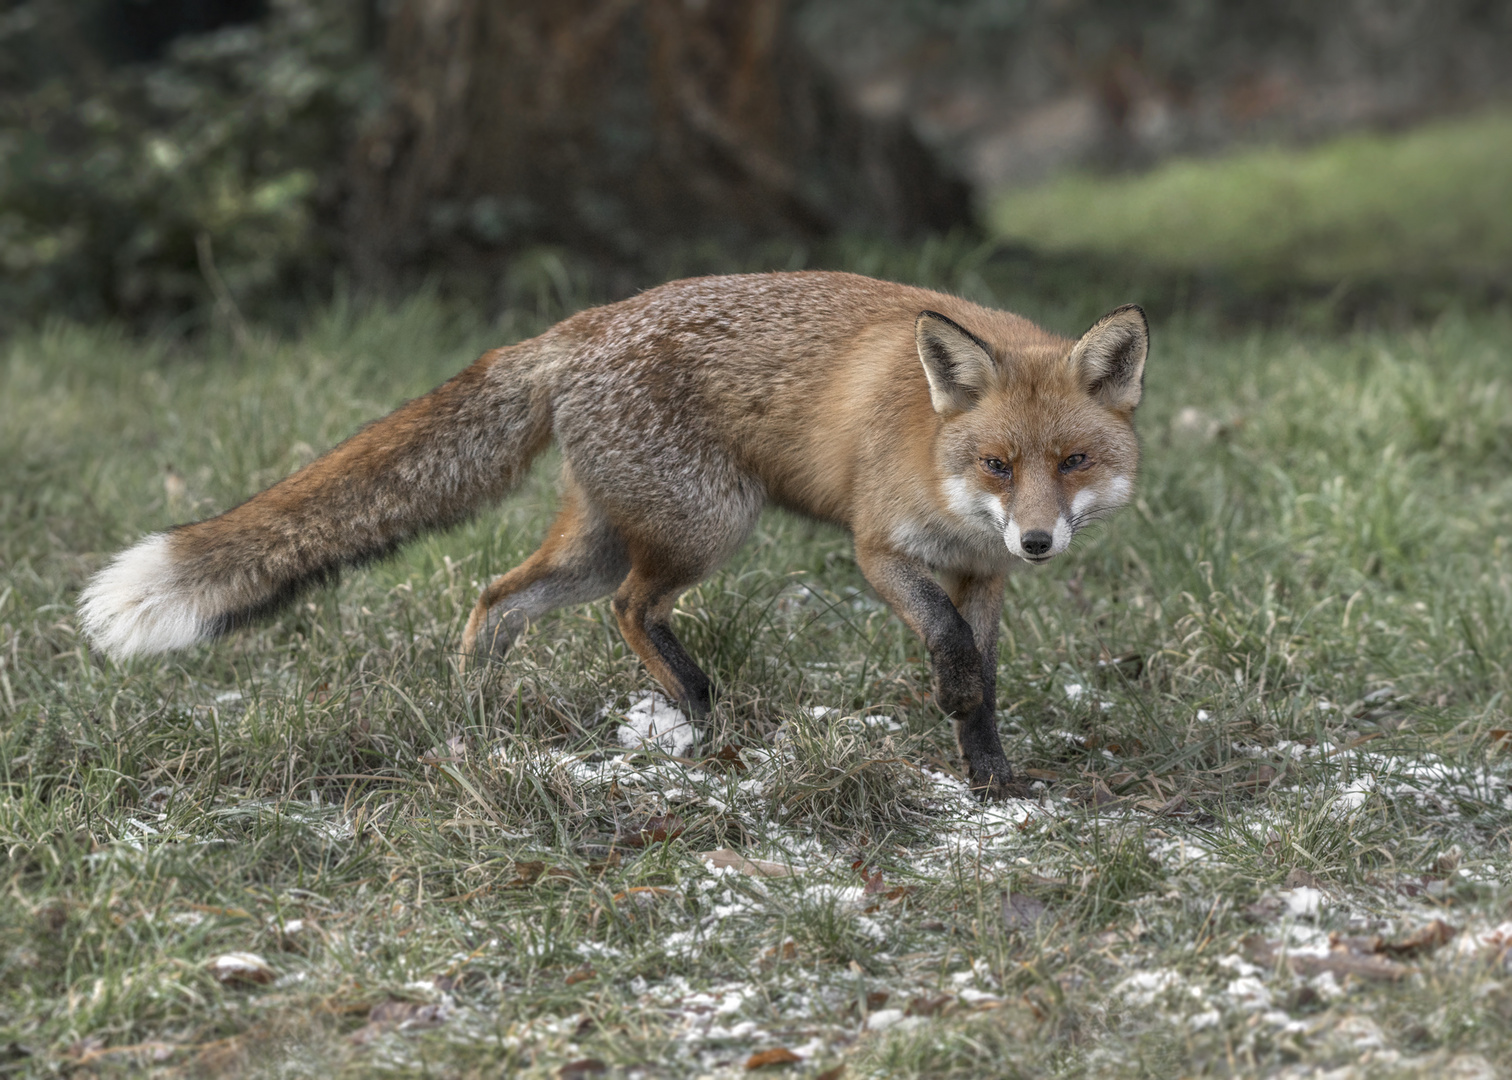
(427,465)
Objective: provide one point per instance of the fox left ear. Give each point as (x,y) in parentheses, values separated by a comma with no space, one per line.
(1111,357)
(957,363)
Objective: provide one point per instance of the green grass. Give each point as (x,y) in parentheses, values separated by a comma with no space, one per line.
(1428,204)
(1291,654)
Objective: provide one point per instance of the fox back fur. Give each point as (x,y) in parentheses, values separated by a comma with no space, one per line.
(950,439)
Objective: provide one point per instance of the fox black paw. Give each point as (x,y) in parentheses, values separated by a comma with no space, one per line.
(992,780)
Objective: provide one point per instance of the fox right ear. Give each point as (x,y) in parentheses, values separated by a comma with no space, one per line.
(957,363)
(1110,357)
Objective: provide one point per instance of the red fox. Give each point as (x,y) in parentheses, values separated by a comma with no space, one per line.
(949,439)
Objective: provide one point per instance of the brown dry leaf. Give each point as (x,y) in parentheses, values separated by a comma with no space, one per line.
(929,1006)
(779,1055)
(1300,878)
(1101,795)
(644,896)
(788,950)
(241,969)
(1422,940)
(456,750)
(657,829)
(726,758)
(582,974)
(876,999)
(831,1074)
(526,873)
(398,1015)
(1260,779)
(724,857)
(584,1067)
(1041,774)
(1264,910)
(1022,912)
(873,878)
(1340,960)
(610,862)
(1375,968)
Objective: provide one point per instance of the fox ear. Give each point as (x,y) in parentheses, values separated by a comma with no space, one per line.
(957,363)
(1111,357)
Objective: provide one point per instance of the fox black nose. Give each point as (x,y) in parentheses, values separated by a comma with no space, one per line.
(1036,542)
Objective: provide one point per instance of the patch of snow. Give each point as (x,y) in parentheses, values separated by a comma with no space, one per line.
(1143,987)
(1304,902)
(653,722)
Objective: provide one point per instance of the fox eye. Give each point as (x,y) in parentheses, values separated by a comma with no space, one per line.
(997,466)
(1074,462)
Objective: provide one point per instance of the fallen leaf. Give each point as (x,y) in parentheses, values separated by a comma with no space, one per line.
(1375,968)
(831,1074)
(456,750)
(644,895)
(873,879)
(1041,774)
(788,950)
(928,1006)
(1265,909)
(727,758)
(582,974)
(725,858)
(526,873)
(876,999)
(1423,940)
(584,1067)
(657,829)
(398,1015)
(1022,912)
(780,1055)
(1299,877)
(242,969)
(609,862)
(1340,960)
(1262,777)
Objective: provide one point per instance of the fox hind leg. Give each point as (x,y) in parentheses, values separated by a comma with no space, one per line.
(643,606)
(582,559)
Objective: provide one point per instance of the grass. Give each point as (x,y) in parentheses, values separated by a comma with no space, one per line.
(1284,669)
(1429,204)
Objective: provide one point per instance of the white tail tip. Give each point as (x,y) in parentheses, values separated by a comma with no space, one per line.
(139,604)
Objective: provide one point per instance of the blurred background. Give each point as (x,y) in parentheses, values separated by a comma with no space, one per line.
(180,165)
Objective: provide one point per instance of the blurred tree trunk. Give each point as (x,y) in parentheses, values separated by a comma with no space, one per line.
(616,126)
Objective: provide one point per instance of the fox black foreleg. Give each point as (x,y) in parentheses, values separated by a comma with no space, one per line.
(962,644)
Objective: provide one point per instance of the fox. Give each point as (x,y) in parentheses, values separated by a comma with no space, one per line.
(951,440)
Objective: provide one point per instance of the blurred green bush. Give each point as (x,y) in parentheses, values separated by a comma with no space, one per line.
(210,177)
(1428,207)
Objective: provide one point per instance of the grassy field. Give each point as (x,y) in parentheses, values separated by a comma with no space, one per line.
(1428,204)
(1263,711)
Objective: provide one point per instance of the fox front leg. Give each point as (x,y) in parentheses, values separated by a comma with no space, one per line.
(962,654)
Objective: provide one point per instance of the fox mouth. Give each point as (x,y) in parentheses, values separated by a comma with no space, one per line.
(1036,559)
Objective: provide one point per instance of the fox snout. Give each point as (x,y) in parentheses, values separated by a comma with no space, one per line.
(1036,543)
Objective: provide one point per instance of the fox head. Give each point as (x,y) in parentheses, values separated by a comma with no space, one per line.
(1036,440)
